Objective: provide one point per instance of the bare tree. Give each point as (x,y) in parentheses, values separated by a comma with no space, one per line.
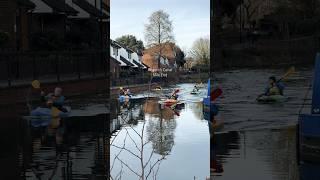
(159,31)
(149,163)
(200,51)
(247,10)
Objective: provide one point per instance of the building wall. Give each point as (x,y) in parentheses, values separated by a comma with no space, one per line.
(81,13)
(135,57)
(150,61)
(8,21)
(114,69)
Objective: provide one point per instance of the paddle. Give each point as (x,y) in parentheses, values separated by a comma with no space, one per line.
(290,71)
(54,111)
(35,84)
(215,94)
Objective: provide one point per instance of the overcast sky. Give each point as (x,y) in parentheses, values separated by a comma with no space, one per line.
(191,18)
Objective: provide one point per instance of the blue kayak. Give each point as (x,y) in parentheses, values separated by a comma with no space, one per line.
(42,117)
(123,98)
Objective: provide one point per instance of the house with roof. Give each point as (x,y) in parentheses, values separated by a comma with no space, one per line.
(14,24)
(124,61)
(48,23)
(91,23)
(171,57)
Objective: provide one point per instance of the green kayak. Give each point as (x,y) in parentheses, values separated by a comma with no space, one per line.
(271,99)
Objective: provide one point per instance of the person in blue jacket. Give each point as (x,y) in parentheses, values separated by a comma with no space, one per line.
(274,88)
(57,98)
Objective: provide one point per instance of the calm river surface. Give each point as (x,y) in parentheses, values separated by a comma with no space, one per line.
(258,141)
(161,143)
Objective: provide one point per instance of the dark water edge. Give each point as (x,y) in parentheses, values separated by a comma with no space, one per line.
(260,154)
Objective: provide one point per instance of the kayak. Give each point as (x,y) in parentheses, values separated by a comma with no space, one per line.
(271,99)
(50,112)
(170,101)
(123,98)
(42,117)
(194,92)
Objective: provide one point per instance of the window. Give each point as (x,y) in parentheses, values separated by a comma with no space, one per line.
(115,51)
(129,55)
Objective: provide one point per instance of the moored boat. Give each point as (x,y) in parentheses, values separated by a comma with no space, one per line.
(308,131)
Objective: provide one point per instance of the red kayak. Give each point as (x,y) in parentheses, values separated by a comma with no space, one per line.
(169,102)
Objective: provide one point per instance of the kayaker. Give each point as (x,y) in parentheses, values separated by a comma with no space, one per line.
(195,88)
(175,94)
(127,93)
(121,91)
(274,88)
(56,97)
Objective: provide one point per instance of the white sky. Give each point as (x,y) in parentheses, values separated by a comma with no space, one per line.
(191,18)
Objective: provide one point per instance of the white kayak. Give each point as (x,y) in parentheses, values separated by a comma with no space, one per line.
(194,92)
(271,99)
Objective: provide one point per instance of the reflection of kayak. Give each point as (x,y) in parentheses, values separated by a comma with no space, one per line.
(217,125)
(271,99)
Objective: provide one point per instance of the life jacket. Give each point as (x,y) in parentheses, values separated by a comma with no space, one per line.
(281,87)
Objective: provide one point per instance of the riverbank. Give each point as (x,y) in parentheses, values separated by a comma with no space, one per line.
(266,53)
(16,97)
(139,88)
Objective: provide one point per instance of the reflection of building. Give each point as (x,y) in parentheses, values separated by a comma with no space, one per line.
(79,149)
(151,107)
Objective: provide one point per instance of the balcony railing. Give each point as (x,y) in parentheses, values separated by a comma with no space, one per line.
(19,68)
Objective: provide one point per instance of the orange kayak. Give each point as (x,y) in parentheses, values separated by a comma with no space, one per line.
(170,101)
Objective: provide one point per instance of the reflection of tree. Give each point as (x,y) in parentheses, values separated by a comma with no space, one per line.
(161,134)
(197,109)
(148,164)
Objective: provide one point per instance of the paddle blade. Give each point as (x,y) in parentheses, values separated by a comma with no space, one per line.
(55,112)
(35,84)
(215,94)
(290,71)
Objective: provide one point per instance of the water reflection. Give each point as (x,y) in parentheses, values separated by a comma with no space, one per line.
(138,150)
(258,141)
(67,149)
(157,131)
(76,147)
(271,153)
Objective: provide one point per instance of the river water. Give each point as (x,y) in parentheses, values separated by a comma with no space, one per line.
(74,148)
(258,141)
(162,143)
